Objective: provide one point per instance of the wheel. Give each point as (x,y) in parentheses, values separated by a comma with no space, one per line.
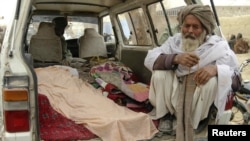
(238,111)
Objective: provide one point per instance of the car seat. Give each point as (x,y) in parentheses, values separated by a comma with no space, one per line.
(92,44)
(45,45)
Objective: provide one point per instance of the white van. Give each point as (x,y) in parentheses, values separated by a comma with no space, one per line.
(127,28)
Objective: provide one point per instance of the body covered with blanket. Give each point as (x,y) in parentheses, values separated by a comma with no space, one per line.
(79,101)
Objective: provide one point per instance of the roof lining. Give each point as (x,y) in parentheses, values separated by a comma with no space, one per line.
(76,3)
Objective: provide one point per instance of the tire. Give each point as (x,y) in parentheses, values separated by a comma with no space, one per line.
(238,111)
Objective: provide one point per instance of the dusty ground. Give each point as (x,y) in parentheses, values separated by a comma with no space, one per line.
(235,25)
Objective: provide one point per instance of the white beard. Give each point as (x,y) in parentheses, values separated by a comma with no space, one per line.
(189,44)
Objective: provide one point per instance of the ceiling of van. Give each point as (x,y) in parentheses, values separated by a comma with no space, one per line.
(69,6)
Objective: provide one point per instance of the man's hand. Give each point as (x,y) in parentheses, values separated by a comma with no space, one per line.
(186,59)
(202,76)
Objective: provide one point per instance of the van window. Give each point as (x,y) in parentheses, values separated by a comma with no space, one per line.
(160,23)
(77,24)
(161,18)
(172,9)
(107,30)
(134,27)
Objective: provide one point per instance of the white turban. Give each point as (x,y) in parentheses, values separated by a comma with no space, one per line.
(202,12)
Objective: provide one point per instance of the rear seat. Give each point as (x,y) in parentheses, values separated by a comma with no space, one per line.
(45,46)
(92,44)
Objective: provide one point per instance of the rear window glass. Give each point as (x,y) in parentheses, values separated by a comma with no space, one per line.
(74,30)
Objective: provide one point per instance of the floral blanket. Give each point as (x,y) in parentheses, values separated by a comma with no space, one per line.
(111,73)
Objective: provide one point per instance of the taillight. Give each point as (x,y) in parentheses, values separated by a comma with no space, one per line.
(16,105)
(17,121)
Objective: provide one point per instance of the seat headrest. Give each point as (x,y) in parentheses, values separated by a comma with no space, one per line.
(90,32)
(46,29)
(92,44)
(45,45)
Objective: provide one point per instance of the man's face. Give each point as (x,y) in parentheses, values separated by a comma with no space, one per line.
(191,27)
(193,33)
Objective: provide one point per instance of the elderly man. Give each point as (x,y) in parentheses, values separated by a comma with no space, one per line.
(190,71)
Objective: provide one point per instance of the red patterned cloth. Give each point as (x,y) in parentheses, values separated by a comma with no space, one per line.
(55,127)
